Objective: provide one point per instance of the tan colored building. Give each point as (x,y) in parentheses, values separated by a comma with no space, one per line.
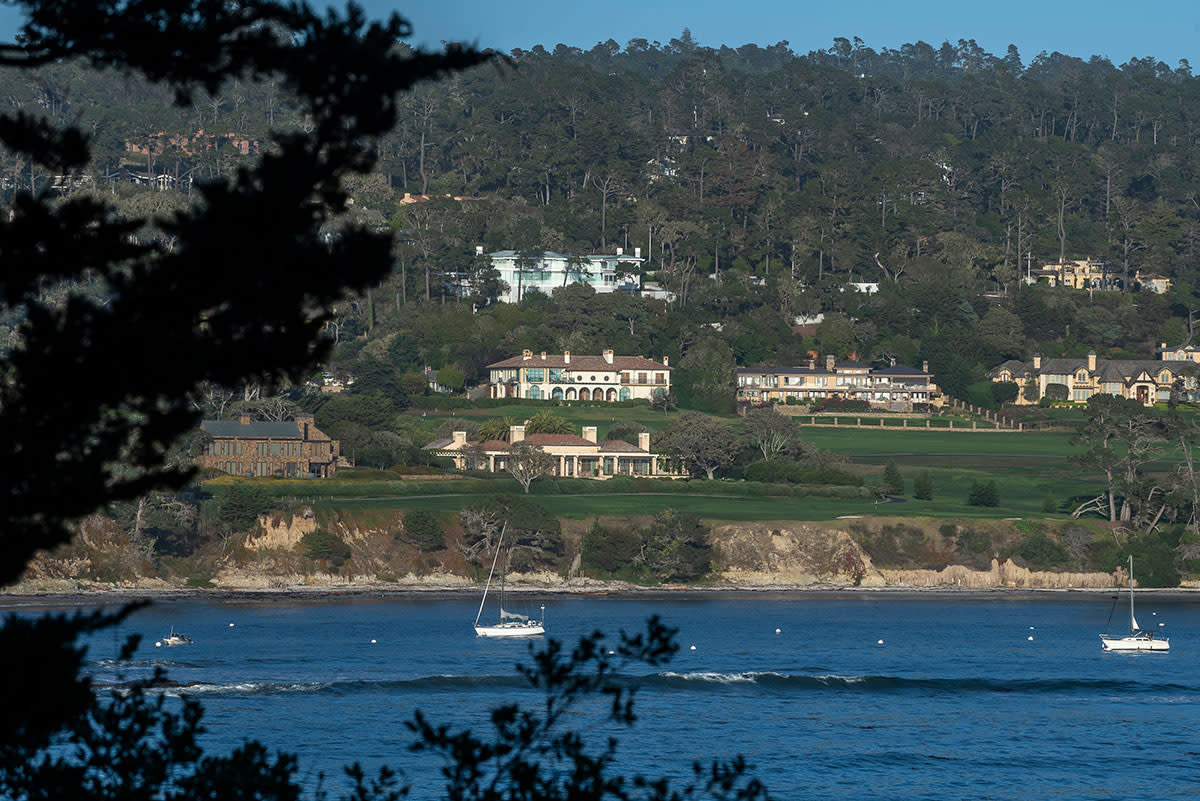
(296,449)
(578,456)
(896,387)
(1148,381)
(568,376)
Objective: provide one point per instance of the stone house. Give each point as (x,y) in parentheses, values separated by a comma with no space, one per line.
(296,449)
(573,377)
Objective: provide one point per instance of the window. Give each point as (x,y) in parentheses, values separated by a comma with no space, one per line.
(660,378)
(624,393)
(1082,376)
(535,375)
(1164,377)
(534,393)
(625,379)
(641,378)
(556,375)
(276,449)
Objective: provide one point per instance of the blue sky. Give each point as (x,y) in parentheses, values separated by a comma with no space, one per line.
(1167,30)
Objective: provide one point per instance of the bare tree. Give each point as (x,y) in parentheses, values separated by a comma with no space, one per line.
(528,462)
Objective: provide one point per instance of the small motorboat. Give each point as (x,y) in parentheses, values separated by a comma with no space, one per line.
(175,639)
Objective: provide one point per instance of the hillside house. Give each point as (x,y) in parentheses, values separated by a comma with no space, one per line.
(1148,381)
(548,271)
(568,376)
(296,449)
(577,456)
(896,387)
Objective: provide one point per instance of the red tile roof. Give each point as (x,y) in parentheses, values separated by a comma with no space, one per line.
(597,363)
(557,439)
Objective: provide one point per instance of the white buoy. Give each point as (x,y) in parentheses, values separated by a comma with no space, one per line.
(693,648)
(230,625)
(610,653)
(777,631)
(1162,624)
(158,644)
(1031,628)
(1030,638)
(879,642)
(1154,613)
(372,642)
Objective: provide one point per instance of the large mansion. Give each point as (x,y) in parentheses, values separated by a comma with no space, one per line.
(577,456)
(896,387)
(256,448)
(1148,381)
(1091,274)
(568,376)
(548,271)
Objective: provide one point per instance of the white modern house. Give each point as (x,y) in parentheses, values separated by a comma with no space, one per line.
(547,271)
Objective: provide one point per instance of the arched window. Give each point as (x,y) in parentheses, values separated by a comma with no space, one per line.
(570,393)
(612,395)
(624,393)
(535,393)
(556,393)
(584,394)
(1164,378)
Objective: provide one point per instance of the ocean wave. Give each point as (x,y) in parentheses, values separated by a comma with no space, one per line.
(708,681)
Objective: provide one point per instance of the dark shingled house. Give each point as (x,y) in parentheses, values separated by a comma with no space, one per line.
(296,449)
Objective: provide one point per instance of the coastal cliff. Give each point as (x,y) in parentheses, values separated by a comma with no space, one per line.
(759,555)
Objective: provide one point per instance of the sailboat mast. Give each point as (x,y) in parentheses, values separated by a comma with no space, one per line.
(491,572)
(1132,619)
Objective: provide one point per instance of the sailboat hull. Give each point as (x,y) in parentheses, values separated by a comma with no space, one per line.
(530,629)
(1134,642)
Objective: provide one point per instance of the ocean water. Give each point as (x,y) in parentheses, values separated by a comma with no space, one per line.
(966,697)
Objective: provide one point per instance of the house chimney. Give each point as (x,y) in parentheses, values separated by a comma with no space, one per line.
(303,421)
(543,355)
(925,366)
(666,361)
(479,250)
(515,434)
(608,356)
(893,361)
(1037,361)
(589,433)
(527,354)
(460,438)
(620,251)
(644,440)
(566,357)
(1091,361)
(637,253)
(829,363)
(244,419)
(812,364)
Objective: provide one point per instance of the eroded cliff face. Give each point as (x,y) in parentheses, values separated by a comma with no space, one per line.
(271,557)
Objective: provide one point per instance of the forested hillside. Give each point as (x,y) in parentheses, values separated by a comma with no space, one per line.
(757,181)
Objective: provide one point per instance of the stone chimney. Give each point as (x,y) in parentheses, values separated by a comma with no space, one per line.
(303,421)
(1091,361)
(589,433)
(244,419)
(566,357)
(1037,361)
(515,434)
(460,438)
(543,355)
(526,354)
(644,440)
(925,366)
(829,363)
(893,361)
(608,356)
(812,364)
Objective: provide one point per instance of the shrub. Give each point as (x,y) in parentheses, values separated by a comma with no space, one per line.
(423,529)
(1049,504)
(893,481)
(1057,392)
(609,550)
(1039,550)
(321,544)
(983,493)
(923,486)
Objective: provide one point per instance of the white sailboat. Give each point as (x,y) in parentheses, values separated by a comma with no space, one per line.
(511,624)
(1138,639)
